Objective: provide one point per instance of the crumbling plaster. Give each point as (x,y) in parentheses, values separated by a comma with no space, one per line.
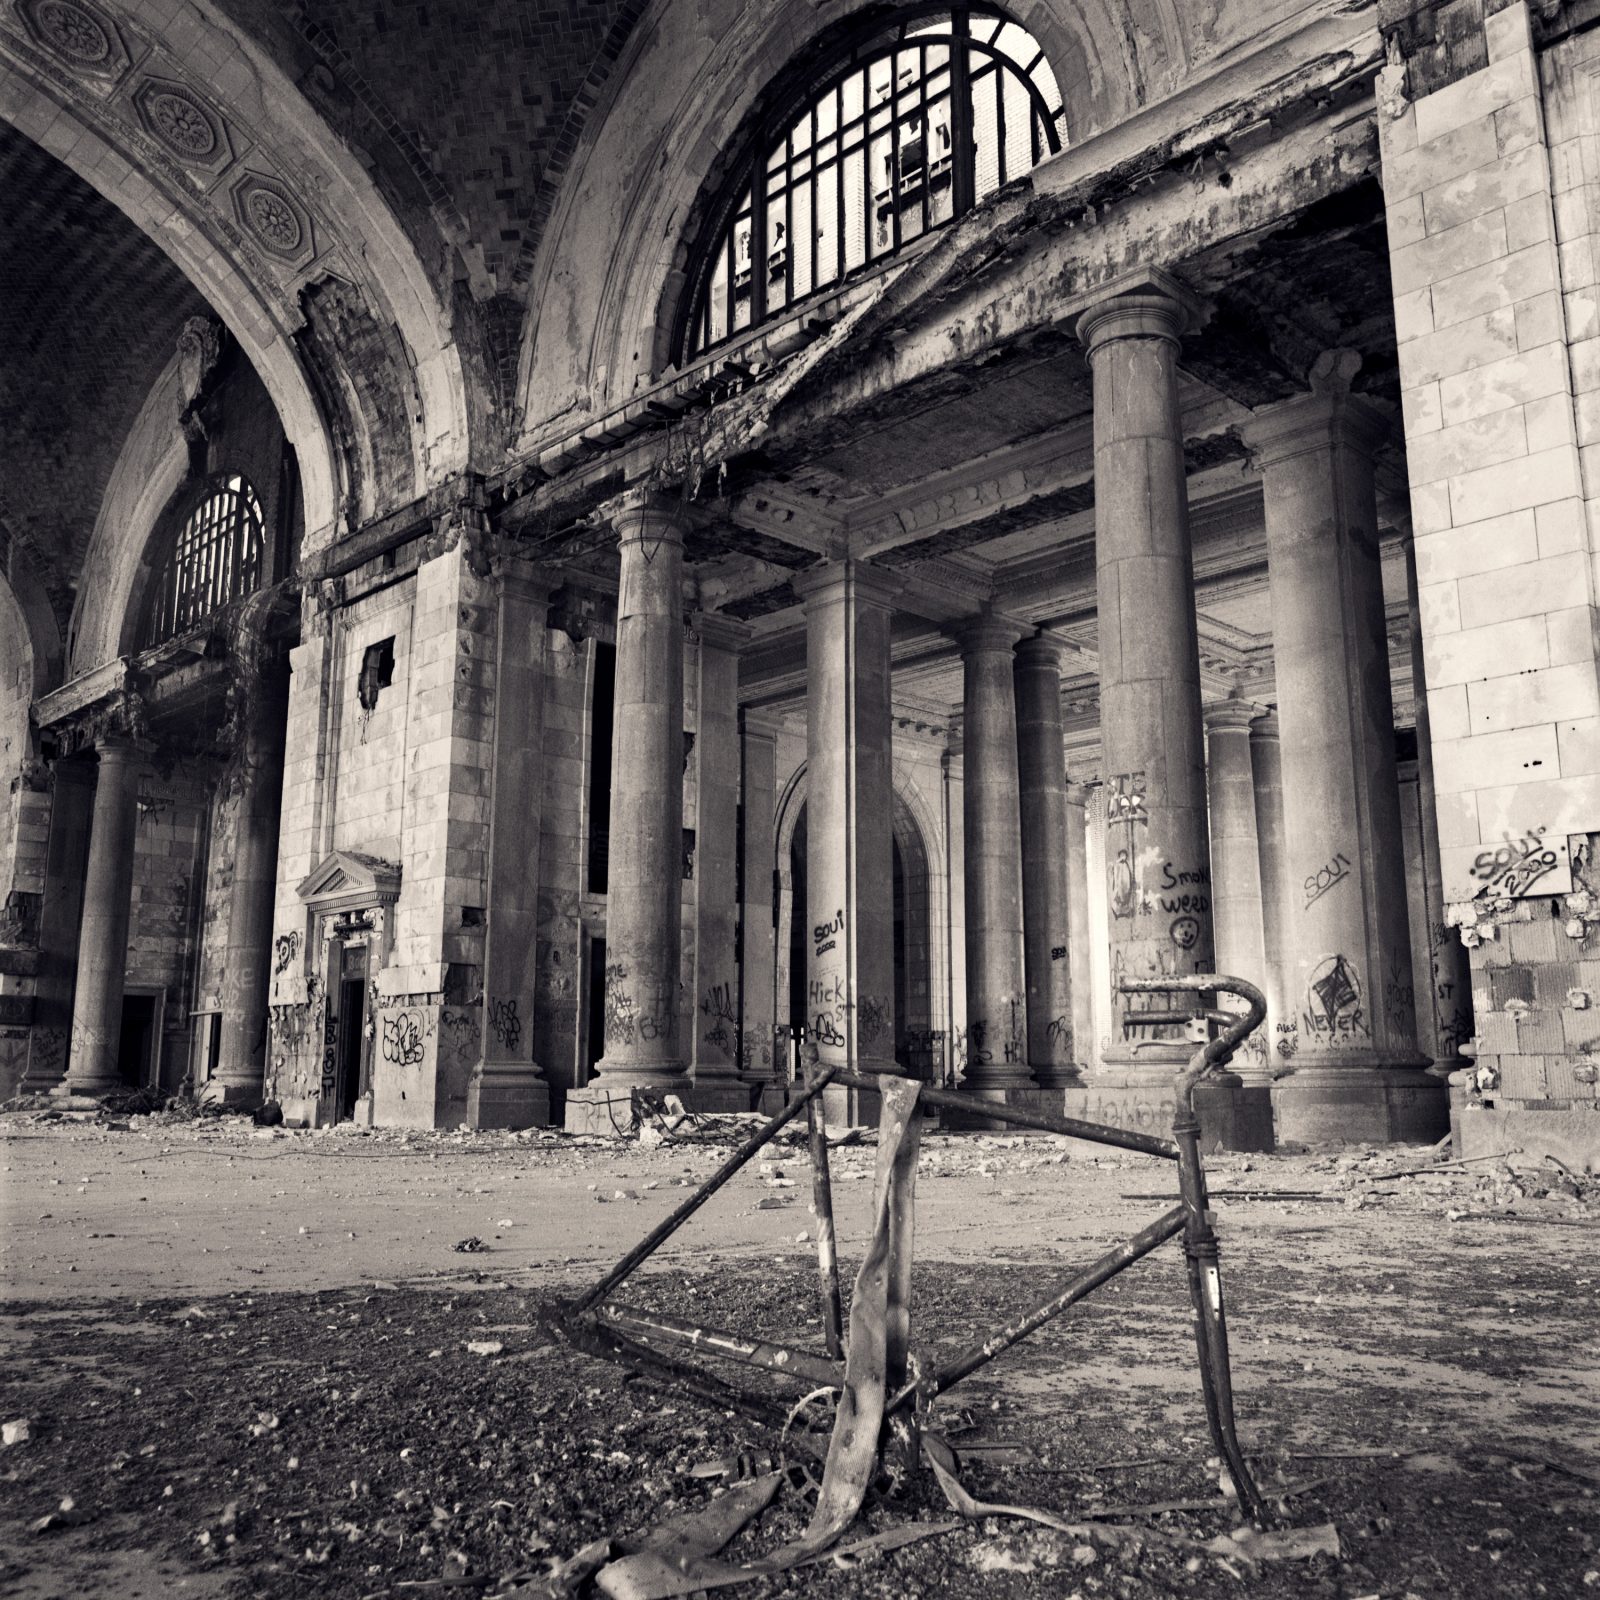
(677,104)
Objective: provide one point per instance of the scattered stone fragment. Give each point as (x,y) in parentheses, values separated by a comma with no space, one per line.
(17,1432)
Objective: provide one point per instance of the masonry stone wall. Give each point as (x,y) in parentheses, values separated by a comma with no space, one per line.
(1487,189)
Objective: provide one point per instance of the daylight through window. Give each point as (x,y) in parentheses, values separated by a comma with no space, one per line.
(913,125)
(216,560)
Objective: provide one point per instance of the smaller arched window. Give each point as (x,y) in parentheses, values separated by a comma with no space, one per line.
(216,560)
(899,130)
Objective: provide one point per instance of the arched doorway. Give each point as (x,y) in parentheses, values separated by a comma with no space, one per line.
(916,1043)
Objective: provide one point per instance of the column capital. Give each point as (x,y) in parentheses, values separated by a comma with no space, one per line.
(1151,305)
(1041,652)
(1265,726)
(1330,415)
(758,723)
(987,633)
(519,579)
(645,513)
(1230,714)
(856,580)
(119,749)
(721,632)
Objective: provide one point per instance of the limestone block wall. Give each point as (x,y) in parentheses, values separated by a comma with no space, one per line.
(403,777)
(1487,183)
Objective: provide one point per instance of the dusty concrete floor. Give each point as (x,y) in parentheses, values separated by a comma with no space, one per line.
(1447,1318)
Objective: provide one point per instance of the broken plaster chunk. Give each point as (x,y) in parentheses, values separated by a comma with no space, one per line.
(1579,999)
(1574,928)
(17,1432)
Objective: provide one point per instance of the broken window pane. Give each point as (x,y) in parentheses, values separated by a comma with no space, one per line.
(913,123)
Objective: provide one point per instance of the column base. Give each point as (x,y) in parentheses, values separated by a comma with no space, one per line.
(1364,1105)
(231,1096)
(1025,1097)
(90,1091)
(722,1094)
(1233,1115)
(508,1096)
(1054,1077)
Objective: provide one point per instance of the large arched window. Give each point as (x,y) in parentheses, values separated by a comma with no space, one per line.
(216,560)
(901,129)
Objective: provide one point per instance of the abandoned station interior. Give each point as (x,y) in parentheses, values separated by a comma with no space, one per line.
(549,554)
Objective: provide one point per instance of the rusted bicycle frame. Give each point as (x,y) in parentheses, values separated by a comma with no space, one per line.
(597,1324)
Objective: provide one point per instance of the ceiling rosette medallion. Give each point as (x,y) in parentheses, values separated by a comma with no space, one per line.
(178,119)
(77,33)
(272,216)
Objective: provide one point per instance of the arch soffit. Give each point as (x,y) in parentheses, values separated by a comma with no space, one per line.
(149,470)
(29,618)
(911,812)
(276,205)
(673,113)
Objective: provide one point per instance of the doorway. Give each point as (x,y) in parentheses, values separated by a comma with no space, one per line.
(138,1046)
(351,1080)
(595,1044)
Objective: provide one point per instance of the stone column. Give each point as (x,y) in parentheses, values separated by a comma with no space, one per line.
(849,821)
(507,1089)
(997,1001)
(1157,851)
(1046,870)
(717,1084)
(247,963)
(1236,901)
(103,933)
(1266,769)
(645,885)
(1079,947)
(758,785)
(1448,975)
(66,858)
(1357,1069)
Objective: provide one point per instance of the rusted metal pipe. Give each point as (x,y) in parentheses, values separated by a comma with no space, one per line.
(996,1111)
(1102,1271)
(715,1342)
(664,1230)
(822,1205)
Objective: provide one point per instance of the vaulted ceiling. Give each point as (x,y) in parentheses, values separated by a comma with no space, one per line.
(90,309)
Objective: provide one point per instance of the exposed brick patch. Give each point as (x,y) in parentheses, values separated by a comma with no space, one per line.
(483,105)
(90,310)
(1441,40)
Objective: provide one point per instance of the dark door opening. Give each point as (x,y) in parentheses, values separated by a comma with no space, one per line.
(351,1021)
(352,1031)
(136,1047)
(596,1044)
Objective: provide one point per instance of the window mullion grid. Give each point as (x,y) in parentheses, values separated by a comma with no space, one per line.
(964,155)
(811,210)
(838,187)
(894,150)
(759,242)
(788,223)
(1000,121)
(925,120)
